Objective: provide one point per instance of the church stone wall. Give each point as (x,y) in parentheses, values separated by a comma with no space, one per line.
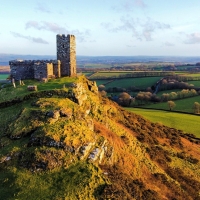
(57,69)
(42,70)
(20,69)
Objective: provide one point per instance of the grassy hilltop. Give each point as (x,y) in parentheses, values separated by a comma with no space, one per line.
(65,141)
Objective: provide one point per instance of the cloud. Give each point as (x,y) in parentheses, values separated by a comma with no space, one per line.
(140,3)
(130,5)
(140,29)
(81,36)
(193,38)
(126,24)
(33,39)
(130,46)
(48,26)
(42,8)
(169,44)
(150,26)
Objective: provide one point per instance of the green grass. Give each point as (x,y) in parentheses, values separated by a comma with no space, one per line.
(79,181)
(192,74)
(108,74)
(10,92)
(186,122)
(195,83)
(97,65)
(3,76)
(87,73)
(101,82)
(183,105)
(140,83)
(123,74)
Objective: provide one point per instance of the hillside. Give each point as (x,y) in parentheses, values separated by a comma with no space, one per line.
(70,143)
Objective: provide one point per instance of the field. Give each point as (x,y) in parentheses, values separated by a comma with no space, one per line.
(195,83)
(183,105)
(187,123)
(108,74)
(139,83)
(102,82)
(87,73)
(192,74)
(95,65)
(3,76)
(126,74)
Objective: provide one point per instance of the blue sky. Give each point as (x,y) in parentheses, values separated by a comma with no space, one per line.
(102,27)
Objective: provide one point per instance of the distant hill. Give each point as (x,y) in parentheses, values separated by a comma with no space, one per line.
(5,58)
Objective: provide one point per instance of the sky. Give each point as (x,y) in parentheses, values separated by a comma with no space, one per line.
(102,27)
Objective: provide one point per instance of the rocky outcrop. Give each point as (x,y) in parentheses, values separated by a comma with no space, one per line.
(92,144)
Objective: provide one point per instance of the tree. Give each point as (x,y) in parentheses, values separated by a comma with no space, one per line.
(124,99)
(165,97)
(103,93)
(193,92)
(101,87)
(144,96)
(196,107)
(171,105)
(173,95)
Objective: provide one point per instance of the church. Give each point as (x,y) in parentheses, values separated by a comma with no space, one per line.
(65,65)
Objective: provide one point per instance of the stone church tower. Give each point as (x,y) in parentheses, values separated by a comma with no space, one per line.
(66,53)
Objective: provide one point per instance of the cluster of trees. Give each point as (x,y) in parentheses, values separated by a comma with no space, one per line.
(171,84)
(134,75)
(125,99)
(178,95)
(145,97)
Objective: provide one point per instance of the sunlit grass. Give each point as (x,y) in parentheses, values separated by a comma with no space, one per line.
(186,122)
(81,180)
(9,92)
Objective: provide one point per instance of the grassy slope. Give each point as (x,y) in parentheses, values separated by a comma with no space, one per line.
(10,93)
(187,123)
(72,183)
(131,164)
